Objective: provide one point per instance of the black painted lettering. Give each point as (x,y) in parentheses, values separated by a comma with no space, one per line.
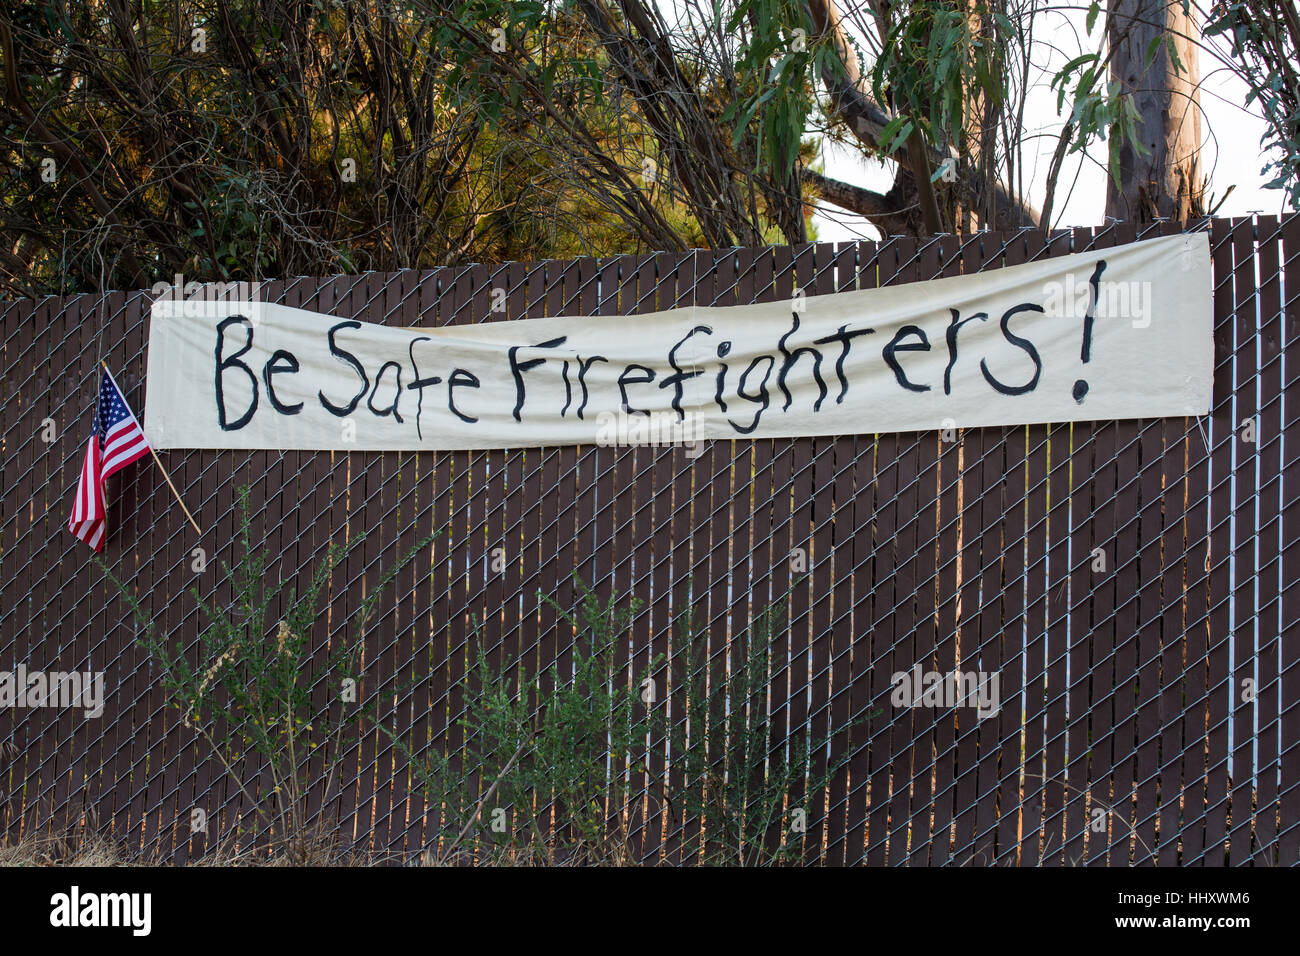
(347,358)
(896,345)
(1020,343)
(518,368)
(281,362)
(224,363)
(460,378)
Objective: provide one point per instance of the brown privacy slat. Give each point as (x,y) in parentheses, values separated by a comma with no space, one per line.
(167,606)
(666,546)
(57,642)
(968,615)
(215,586)
(56,652)
(351,774)
(554,462)
(693,527)
(26,370)
(153,804)
(1289,664)
(820,634)
(639,284)
(922,568)
(21,368)
(993,503)
(1150,641)
(786,460)
(531,306)
(480,498)
(690,543)
(945,599)
(315,532)
(363,511)
(749,557)
(1147,716)
(36,646)
(179,783)
(1271,573)
(510,540)
(325,799)
(611,569)
(267,475)
(726,503)
(380,633)
(295,530)
(886,656)
(455,302)
(863,703)
(1245,638)
(1181,558)
(1223,442)
(438,664)
(1143,720)
(462,644)
(574,547)
(1110,441)
(82,596)
(547,504)
(725,466)
(564,492)
(148,705)
(426,815)
(1009,720)
(1057,580)
(387,624)
(1082,535)
(1121,617)
(430,739)
(803,595)
(413,618)
(908,762)
(843,277)
(1188,836)
(195,761)
(61,622)
(1020,816)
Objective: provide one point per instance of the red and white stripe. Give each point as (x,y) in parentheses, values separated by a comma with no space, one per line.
(87,521)
(126,443)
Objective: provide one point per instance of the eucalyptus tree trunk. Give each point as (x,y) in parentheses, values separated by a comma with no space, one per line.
(1167,180)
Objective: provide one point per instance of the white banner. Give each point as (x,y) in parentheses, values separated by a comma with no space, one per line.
(1114,333)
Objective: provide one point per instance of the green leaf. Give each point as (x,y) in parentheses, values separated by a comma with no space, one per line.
(1174,58)
(902,136)
(1151,51)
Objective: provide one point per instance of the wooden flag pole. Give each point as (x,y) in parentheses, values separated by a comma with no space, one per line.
(165,475)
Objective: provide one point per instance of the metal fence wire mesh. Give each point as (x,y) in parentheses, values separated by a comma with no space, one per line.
(1128,582)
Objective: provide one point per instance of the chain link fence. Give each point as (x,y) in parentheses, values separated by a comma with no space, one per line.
(1127,585)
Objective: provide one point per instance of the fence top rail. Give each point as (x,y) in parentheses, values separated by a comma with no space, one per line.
(872,246)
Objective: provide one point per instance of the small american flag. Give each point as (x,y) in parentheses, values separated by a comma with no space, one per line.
(116,441)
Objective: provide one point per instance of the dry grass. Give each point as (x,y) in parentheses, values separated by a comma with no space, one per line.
(85,847)
(80,848)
